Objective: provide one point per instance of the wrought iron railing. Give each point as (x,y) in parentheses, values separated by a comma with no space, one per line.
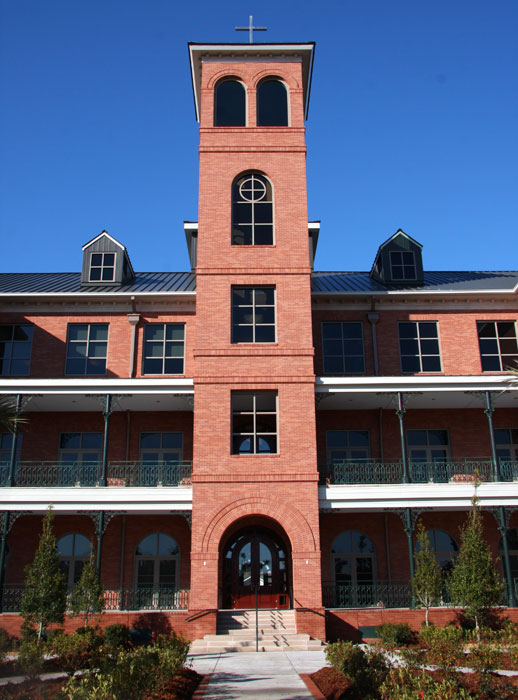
(382,594)
(466,470)
(135,473)
(117,598)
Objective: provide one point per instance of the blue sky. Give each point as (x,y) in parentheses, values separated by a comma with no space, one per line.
(412,124)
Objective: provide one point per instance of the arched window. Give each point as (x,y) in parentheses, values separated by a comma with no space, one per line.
(272,103)
(444,548)
(252,210)
(512,547)
(73,551)
(157,562)
(230,104)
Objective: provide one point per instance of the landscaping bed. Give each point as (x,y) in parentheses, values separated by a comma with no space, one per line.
(181,687)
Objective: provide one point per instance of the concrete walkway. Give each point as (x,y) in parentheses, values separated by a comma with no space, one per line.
(273,675)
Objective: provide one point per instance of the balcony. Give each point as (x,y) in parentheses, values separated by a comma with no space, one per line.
(88,474)
(392,472)
(116,598)
(382,594)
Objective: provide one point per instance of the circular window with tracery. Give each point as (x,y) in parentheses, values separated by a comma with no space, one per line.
(252,189)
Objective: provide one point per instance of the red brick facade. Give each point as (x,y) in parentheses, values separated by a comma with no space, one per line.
(287,494)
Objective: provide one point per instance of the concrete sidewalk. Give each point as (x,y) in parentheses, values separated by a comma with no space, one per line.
(273,675)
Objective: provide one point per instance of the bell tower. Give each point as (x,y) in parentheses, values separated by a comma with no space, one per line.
(255,477)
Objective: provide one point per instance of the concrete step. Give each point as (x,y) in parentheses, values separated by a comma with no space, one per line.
(246,635)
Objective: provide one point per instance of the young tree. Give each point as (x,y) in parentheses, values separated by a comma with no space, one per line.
(427,579)
(475,582)
(88,595)
(44,597)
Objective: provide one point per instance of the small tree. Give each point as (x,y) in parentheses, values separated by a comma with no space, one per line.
(44,597)
(475,583)
(427,579)
(88,595)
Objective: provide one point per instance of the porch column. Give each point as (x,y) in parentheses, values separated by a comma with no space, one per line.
(502,524)
(14,444)
(409,531)
(99,532)
(3,544)
(400,412)
(489,410)
(107,413)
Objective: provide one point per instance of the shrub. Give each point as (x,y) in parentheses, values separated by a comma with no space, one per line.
(73,651)
(402,684)
(444,645)
(172,654)
(5,643)
(395,634)
(367,670)
(30,657)
(116,636)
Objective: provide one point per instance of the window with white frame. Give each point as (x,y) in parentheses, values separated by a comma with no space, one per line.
(254,422)
(419,346)
(87,347)
(347,446)
(161,448)
(506,442)
(342,345)
(498,345)
(102,267)
(157,562)
(402,265)
(73,552)
(252,210)
(512,548)
(428,445)
(15,349)
(164,345)
(253,314)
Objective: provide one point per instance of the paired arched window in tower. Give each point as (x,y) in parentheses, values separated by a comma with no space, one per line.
(252,210)
(272,103)
(230,103)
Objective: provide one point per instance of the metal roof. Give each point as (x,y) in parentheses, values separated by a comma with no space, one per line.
(70,283)
(434,282)
(322,283)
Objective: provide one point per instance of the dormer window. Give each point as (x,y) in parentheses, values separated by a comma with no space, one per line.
(402,265)
(102,267)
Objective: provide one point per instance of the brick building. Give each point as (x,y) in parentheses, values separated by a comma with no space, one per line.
(253,429)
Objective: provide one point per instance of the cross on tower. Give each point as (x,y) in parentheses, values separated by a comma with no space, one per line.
(251,29)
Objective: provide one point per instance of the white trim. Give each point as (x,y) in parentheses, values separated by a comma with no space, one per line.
(434,382)
(158,385)
(415,292)
(86,294)
(101,235)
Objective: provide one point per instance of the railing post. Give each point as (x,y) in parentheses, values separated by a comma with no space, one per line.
(502,526)
(3,542)
(489,410)
(107,413)
(99,533)
(401,416)
(14,444)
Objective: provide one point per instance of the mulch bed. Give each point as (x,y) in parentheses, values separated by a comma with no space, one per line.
(336,686)
(181,687)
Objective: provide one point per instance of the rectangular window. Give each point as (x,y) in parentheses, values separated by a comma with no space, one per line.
(87,345)
(163,348)
(506,441)
(253,314)
(254,422)
(402,265)
(343,348)
(419,346)
(15,350)
(102,267)
(347,445)
(428,445)
(161,448)
(498,345)
(80,448)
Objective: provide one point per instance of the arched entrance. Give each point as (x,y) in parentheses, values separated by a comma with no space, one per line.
(256,560)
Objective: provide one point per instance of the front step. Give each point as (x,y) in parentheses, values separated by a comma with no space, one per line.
(235,631)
